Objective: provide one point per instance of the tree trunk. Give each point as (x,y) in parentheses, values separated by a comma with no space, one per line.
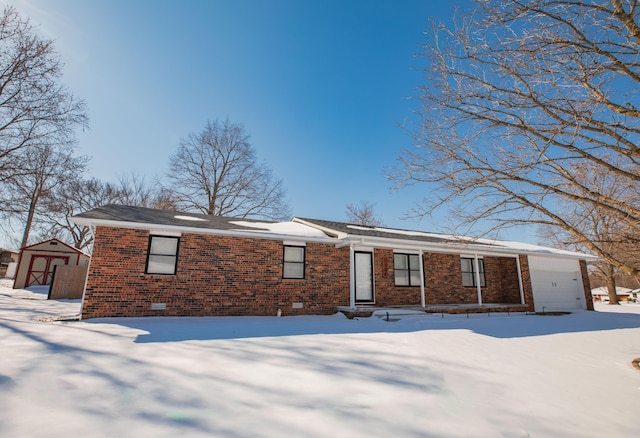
(611,284)
(30,215)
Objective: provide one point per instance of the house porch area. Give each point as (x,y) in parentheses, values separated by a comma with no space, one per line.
(365,311)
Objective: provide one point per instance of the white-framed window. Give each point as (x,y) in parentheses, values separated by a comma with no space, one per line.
(469,272)
(162,255)
(406,268)
(293,258)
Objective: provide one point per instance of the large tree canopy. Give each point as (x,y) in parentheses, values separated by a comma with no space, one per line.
(523,102)
(216,172)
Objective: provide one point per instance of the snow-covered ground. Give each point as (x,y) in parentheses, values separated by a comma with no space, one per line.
(421,376)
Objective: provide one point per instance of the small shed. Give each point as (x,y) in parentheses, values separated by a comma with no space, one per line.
(37,262)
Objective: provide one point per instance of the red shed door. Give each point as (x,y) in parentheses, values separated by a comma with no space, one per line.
(41,268)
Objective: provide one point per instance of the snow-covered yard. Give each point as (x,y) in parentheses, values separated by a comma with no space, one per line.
(421,376)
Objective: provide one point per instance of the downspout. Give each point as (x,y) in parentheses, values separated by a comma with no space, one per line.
(352,275)
(422,300)
(520,280)
(478,286)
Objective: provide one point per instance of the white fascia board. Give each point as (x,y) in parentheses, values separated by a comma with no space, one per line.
(195,230)
(459,248)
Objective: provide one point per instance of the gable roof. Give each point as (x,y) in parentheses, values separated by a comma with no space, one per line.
(126,216)
(342,229)
(55,242)
(308,230)
(142,215)
(398,239)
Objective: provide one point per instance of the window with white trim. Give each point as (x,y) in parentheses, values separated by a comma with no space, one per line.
(406,268)
(469,272)
(293,262)
(162,255)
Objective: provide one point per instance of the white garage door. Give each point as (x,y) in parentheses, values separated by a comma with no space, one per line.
(556,290)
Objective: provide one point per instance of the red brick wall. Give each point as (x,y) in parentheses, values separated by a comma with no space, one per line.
(443,281)
(222,275)
(386,292)
(501,275)
(216,276)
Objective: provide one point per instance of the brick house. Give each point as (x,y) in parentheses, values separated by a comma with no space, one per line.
(148,262)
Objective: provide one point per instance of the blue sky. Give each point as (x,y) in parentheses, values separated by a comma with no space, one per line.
(321,87)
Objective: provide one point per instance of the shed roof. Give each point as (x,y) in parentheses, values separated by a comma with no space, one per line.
(39,246)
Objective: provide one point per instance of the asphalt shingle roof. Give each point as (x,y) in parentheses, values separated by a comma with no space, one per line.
(387,233)
(141,215)
(321,228)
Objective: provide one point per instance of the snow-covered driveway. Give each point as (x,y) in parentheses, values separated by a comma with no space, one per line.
(422,376)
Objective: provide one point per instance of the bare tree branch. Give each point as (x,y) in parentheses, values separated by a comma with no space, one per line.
(527,108)
(38,119)
(363,214)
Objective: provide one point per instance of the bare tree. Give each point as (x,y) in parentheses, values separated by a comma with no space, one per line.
(595,226)
(363,214)
(518,96)
(75,196)
(78,195)
(216,172)
(49,168)
(37,113)
(134,189)
(38,118)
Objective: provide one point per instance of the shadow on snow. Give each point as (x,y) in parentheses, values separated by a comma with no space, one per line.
(175,329)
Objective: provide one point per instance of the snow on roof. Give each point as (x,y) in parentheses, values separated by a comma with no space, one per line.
(446,240)
(148,218)
(300,228)
(603,290)
(189,218)
(412,233)
(284,228)
(465,239)
(533,248)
